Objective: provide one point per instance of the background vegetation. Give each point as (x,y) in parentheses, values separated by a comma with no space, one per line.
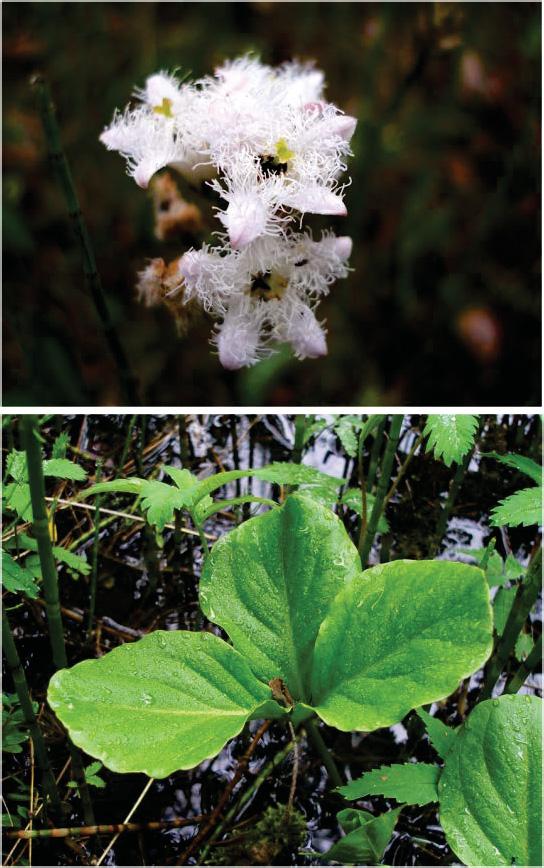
(443,303)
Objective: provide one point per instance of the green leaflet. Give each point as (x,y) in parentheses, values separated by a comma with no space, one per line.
(270,582)
(401,635)
(519,462)
(450,436)
(440,735)
(72,561)
(166,702)
(410,783)
(502,605)
(366,838)
(491,787)
(16,578)
(524,507)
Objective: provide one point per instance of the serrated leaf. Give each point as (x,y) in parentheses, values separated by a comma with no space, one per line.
(279,472)
(440,735)
(17,498)
(524,507)
(182,478)
(353,499)
(60,445)
(164,703)
(94,781)
(346,432)
(450,436)
(518,462)
(63,468)
(115,486)
(371,424)
(401,635)
(270,582)
(365,845)
(160,501)
(409,783)
(491,788)
(73,561)
(16,578)
(93,768)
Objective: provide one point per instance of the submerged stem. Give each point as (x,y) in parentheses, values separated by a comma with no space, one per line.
(524,601)
(21,687)
(40,525)
(316,738)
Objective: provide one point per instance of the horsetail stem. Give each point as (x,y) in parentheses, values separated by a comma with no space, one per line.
(365,544)
(62,169)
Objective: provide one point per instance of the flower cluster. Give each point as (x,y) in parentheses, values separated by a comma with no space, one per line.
(272,148)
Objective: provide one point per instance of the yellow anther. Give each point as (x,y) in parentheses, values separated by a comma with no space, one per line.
(165,108)
(283,152)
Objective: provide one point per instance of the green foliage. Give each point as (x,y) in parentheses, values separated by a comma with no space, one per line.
(14,729)
(440,735)
(450,436)
(60,445)
(524,507)
(402,635)
(366,837)
(524,646)
(497,570)
(502,604)
(263,842)
(519,462)
(410,783)
(17,493)
(16,578)
(165,703)
(75,563)
(360,649)
(91,777)
(491,788)
(352,498)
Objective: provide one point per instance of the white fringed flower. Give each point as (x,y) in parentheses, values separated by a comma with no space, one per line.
(272,149)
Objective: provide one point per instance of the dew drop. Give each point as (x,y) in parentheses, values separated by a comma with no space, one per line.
(161,640)
(70,705)
(496,703)
(147,699)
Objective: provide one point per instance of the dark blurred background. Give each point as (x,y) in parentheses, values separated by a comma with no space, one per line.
(443,305)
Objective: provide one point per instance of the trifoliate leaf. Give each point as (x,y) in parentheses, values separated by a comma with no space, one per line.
(409,783)
(450,436)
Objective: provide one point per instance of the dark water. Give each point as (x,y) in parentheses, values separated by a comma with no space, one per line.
(143,588)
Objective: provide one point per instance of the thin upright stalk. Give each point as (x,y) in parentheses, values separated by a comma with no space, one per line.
(365,545)
(362,484)
(64,174)
(524,601)
(316,738)
(94,557)
(31,437)
(374,455)
(126,446)
(518,678)
(446,510)
(300,428)
(21,687)
(402,470)
(235,455)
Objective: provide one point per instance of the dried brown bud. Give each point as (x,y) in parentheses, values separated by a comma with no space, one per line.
(173,215)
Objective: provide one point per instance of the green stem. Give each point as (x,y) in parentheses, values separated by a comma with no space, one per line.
(381,491)
(31,437)
(519,677)
(126,446)
(300,428)
(374,455)
(402,470)
(316,738)
(265,772)
(60,163)
(21,687)
(94,559)
(524,601)
(363,485)
(454,489)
